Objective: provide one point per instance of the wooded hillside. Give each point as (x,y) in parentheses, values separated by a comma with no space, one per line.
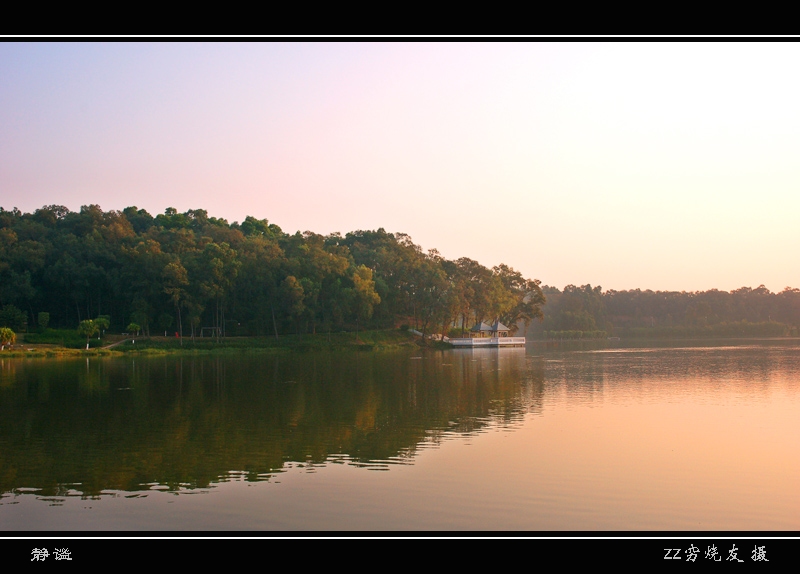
(192,273)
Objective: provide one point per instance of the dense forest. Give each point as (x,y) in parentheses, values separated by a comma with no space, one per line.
(196,275)
(586,311)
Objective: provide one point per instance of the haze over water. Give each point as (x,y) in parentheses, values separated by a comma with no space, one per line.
(557,437)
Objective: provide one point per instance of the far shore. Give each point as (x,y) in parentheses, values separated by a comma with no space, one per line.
(119,345)
(116,345)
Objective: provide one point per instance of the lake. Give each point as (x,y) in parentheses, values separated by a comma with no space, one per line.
(700,435)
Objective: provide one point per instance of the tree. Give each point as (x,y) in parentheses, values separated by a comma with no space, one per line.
(221,267)
(140,315)
(136,267)
(87,328)
(7,337)
(366,296)
(577,309)
(103,322)
(258,281)
(44,319)
(292,295)
(476,280)
(175,279)
(12,317)
(430,293)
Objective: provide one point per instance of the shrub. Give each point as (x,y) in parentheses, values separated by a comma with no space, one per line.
(7,336)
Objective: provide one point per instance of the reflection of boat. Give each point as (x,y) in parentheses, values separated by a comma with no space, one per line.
(483,335)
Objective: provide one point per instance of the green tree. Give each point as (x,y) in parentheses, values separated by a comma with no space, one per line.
(524,298)
(7,337)
(165,322)
(221,267)
(257,286)
(365,294)
(140,314)
(175,279)
(87,328)
(103,322)
(576,309)
(12,317)
(292,295)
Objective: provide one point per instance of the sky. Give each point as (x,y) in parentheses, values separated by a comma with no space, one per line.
(664,166)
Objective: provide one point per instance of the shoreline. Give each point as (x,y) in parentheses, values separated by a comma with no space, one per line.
(367,341)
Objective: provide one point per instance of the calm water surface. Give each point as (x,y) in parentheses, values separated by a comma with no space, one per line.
(696,436)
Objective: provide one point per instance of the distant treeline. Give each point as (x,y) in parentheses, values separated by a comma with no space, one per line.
(743,312)
(193,274)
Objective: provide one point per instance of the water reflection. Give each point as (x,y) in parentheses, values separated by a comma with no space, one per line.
(752,369)
(103,425)
(555,437)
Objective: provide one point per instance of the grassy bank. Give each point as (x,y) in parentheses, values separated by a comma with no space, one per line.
(366,341)
(66,338)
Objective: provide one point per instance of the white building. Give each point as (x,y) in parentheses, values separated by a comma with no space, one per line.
(483,335)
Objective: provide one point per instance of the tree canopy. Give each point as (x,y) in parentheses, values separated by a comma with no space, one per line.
(195,274)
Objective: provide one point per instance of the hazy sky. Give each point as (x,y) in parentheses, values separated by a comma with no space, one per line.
(653,165)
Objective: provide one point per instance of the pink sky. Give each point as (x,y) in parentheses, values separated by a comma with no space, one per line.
(662,166)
